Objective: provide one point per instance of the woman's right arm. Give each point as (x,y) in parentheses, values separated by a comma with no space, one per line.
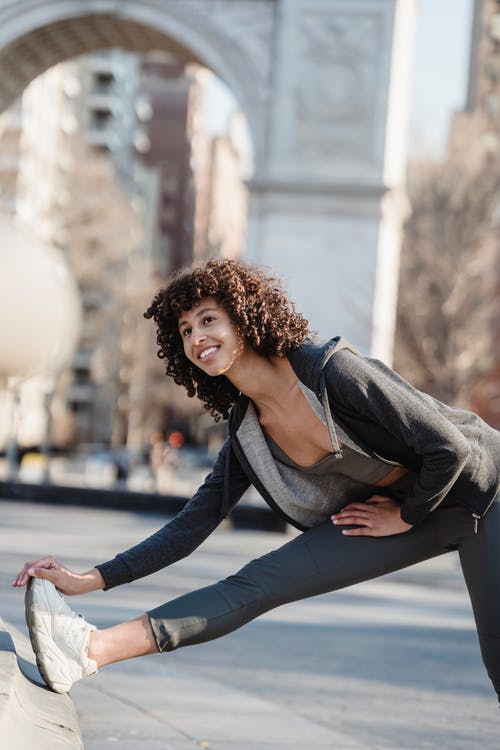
(177,539)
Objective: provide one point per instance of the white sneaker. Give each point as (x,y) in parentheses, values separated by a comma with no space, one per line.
(60,637)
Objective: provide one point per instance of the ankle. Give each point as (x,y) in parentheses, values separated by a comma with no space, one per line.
(94,649)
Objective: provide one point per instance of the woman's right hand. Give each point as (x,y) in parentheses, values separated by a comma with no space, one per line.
(65,580)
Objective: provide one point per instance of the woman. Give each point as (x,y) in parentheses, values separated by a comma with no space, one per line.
(377,475)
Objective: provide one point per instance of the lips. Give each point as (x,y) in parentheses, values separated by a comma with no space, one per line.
(207,353)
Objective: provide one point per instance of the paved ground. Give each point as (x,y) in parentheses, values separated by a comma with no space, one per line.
(390,664)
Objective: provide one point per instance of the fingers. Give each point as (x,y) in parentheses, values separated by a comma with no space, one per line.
(354,513)
(352,518)
(359,532)
(378,519)
(355,507)
(44,563)
(364,525)
(360,515)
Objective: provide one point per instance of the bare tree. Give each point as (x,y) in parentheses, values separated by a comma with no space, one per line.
(448,273)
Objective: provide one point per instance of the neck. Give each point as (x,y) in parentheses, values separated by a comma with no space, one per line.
(265,380)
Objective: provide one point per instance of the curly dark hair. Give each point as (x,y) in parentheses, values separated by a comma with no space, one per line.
(255,302)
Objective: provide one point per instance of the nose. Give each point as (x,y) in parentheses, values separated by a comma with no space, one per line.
(197,338)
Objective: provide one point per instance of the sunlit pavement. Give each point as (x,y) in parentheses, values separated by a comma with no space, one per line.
(392,663)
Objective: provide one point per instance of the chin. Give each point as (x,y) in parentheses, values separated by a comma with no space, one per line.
(212,372)
(217,372)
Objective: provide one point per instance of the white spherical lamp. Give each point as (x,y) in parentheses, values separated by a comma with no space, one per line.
(40,309)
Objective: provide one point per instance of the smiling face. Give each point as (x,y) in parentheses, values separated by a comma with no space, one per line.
(210,338)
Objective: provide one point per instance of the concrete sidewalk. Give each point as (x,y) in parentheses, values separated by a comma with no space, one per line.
(392,664)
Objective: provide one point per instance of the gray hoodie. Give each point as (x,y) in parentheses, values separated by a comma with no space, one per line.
(454,454)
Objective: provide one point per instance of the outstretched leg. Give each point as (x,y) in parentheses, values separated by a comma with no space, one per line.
(319,560)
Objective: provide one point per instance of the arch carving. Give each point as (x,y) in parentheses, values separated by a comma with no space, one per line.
(339,75)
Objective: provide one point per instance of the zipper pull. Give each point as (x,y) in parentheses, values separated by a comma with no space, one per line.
(476,518)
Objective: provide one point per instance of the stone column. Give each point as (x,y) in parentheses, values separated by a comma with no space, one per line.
(327,207)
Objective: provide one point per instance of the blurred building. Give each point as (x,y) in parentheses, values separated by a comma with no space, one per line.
(77,133)
(169,109)
(109,157)
(481,121)
(227,210)
(481,114)
(201,165)
(483,85)
(202,199)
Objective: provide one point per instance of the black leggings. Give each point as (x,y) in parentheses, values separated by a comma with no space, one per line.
(323,559)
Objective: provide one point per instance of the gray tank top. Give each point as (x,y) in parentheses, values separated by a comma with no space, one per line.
(353,464)
(310,495)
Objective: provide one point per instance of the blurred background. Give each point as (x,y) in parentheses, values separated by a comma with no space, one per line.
(354,151)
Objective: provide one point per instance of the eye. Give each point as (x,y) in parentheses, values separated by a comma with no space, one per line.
(185,332)
(208,319)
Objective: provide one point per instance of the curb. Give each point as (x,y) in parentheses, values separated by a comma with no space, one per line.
(31,715)
(244,515)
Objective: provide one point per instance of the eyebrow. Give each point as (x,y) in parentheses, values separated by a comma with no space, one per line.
(201,311)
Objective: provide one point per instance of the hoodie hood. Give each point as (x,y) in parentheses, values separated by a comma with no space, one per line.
(308,362)
(311,357)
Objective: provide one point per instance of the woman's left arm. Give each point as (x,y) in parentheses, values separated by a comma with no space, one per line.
(370,390)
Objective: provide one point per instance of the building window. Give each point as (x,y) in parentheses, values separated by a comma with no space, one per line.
(100,118)
(101,148)
(103,81)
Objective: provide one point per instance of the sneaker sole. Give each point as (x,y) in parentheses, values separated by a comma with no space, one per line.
(49,658)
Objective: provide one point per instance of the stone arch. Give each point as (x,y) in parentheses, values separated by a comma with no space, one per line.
(39,35)
(324,87)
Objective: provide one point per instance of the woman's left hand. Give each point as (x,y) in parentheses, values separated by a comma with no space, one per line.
(378,516)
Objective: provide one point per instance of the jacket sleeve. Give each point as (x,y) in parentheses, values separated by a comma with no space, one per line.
(372,391)
(184,533)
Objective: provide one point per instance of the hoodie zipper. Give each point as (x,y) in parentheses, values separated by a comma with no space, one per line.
(476,518)
(325,403)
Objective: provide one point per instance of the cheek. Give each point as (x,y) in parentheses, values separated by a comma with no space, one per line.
(240,341)
(232,340)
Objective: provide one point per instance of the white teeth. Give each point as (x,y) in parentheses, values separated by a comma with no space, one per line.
(206,352)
